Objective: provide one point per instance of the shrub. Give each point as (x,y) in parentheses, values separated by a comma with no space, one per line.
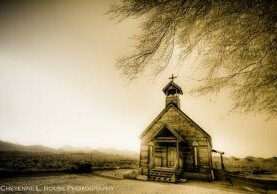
(249,159)
(80,167)
(260,171)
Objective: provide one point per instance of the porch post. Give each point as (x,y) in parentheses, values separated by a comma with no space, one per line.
(177,153)
(153,154)
(222,163)
(150,156)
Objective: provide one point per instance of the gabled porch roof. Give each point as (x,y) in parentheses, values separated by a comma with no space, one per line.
(175,136)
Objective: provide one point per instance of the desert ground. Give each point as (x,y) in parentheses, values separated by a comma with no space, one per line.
(111,182)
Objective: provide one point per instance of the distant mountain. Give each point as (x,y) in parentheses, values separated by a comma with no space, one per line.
(127,153)
(110,151)
(68,148)
(8,146)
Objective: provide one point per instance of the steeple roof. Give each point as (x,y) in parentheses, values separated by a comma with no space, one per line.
(172,86)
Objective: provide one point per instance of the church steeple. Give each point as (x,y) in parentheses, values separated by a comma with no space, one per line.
(172,91)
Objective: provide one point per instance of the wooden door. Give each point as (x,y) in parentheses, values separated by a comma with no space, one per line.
(171,156)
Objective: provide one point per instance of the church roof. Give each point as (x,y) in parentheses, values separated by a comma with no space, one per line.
(172,85)
(182,113)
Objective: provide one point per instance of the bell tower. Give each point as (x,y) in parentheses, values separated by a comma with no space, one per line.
(172,92)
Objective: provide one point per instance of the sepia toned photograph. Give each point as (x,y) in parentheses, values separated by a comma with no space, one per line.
(138,96)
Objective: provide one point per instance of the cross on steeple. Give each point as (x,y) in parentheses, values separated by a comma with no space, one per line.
(172,77)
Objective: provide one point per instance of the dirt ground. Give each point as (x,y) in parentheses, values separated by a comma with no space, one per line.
(111,182)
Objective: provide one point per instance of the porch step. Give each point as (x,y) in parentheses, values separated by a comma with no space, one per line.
(162,176)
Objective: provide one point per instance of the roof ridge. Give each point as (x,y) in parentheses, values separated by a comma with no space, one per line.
(175,85)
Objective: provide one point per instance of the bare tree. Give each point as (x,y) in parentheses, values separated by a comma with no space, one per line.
(239,38)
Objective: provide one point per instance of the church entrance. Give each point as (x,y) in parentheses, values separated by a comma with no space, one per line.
(165,155)
(164,150)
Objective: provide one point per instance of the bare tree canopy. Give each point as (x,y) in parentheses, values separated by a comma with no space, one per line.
(238,37)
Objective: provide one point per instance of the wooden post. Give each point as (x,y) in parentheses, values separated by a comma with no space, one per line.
(177,154)
(153,155)
(166,156)
(150,156)
(150,160)
(222,163)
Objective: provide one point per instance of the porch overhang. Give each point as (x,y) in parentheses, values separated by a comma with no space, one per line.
(176,137)
(166,141)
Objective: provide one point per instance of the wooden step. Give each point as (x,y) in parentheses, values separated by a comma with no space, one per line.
(162,176)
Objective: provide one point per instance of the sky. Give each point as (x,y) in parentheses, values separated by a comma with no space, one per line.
(59,84)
